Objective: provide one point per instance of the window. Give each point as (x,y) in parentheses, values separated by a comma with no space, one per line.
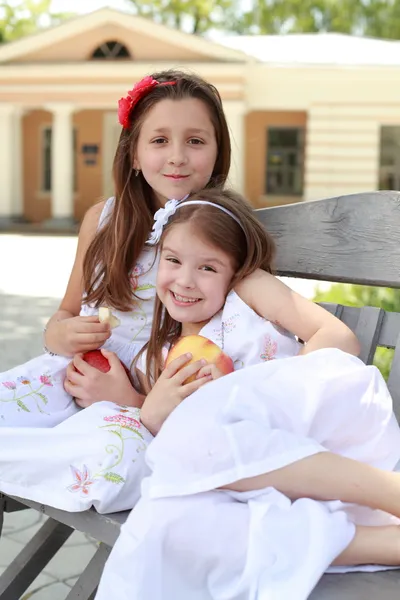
(46,179)
(111,51)
(389,160)
(285,161)
(46,158)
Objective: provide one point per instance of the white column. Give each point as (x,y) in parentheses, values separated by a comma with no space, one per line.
(17,167)
(6,161)
(235,111)
(62,199)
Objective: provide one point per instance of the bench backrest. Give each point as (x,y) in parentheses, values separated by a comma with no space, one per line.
(350,239)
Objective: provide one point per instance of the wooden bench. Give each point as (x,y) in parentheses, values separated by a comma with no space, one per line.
(354,239)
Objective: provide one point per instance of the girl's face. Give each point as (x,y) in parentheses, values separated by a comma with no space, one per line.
(177,148)
(193,277)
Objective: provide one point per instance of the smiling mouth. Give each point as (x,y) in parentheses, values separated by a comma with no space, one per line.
(184,300)
(176,176)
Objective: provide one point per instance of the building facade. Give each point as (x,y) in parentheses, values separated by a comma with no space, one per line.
(303,127)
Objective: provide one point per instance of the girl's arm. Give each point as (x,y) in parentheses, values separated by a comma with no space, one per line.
(66,332)
(275,301)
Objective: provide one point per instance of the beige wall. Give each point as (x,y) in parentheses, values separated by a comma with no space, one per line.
(89,130)
(256,141)
(346,108)
(89,126)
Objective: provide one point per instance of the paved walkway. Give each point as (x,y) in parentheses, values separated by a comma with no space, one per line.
(33,276)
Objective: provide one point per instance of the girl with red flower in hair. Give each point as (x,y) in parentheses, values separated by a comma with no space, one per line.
(174,142)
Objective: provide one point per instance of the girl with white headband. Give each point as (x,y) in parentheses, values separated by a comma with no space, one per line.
(251,476)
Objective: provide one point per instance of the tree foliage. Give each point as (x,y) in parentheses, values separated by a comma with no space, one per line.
(192,16)
(375,18)
(20,18)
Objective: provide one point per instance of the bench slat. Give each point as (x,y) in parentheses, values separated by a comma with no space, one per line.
(104,528)
(394,380)
(367,331)
(384,585)
(87,584)
(32,559)
(352,238)
(390,328)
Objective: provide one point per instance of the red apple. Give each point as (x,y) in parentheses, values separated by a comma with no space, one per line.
(201,347)
(95,359)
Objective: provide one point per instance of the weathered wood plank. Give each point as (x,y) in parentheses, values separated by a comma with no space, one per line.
(2,505)
(390,328)
(86,586)
(384,585)
(353,238)
(394,380)
(104,528)
(367,331)
(32,559)
(12,505)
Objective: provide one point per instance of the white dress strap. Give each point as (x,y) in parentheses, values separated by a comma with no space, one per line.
(107,209)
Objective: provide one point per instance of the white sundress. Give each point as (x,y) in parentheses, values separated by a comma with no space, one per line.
(52,451)
(188,540)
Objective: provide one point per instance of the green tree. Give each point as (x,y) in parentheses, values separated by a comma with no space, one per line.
(192,16)
(301,16)
(375,18)
(20,18)
(358,295)
(381,18)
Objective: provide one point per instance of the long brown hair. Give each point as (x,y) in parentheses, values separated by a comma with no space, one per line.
(248,245)
(119,242)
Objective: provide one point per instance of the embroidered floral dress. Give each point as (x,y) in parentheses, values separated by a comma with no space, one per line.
(32,394)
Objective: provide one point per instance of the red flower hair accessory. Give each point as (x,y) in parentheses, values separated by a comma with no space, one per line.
(139,90)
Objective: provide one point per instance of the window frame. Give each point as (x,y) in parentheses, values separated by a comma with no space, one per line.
(285,169)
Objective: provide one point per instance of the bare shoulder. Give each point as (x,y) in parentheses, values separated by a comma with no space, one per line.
(73,294)
(91,219)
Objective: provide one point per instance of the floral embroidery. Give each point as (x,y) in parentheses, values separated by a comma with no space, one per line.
(270,349)
(36,394)
(137,270)
(124,427)
(123,421)
(82,480)
(46,380)
(227,326)
(10,385)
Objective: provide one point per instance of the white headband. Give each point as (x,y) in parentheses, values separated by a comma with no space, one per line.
(162,216)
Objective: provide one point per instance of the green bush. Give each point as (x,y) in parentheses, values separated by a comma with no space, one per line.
(363,295)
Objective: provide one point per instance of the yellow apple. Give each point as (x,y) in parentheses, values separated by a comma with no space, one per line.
(200,347)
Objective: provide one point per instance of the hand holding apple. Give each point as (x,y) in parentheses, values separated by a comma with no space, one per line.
(99,375)
(201,347)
